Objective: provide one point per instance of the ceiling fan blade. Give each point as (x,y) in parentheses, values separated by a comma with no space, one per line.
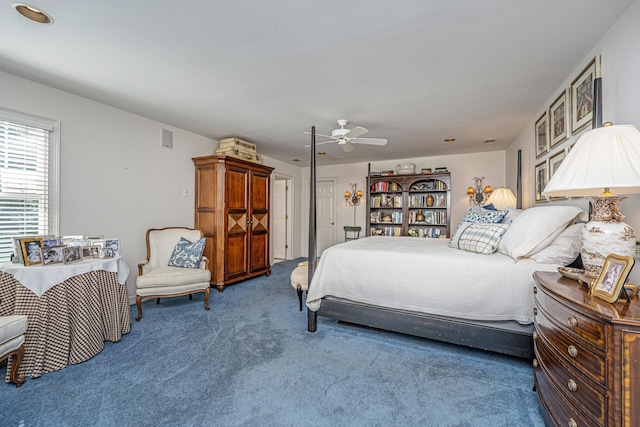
(320,143)
(356,132)
(370,141)
(318,134)
(346,146)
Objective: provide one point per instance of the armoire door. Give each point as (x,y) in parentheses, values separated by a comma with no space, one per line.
(259,221)
(237,222)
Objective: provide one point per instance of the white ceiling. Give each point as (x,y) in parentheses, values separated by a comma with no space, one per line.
(412,71)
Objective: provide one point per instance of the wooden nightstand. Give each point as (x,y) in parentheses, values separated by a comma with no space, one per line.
(587,355)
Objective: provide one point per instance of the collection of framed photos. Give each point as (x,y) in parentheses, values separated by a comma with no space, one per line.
(569,113)
(47,250)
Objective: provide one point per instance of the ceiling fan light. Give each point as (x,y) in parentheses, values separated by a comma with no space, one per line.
(32,13)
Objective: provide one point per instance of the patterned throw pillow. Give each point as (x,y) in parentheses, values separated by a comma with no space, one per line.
(187,254)
(485,216)
(479,238)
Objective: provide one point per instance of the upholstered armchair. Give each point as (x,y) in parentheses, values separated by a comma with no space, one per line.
(12,330)
(173,267)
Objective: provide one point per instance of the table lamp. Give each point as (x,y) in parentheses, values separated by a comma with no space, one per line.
(602,165)
(502,198)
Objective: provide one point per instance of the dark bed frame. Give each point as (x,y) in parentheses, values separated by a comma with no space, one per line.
(509,338)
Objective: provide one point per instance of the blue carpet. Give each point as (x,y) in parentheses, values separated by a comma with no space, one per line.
(249,361)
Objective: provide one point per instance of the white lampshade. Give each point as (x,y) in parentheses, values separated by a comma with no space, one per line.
(606,157)
(502,198)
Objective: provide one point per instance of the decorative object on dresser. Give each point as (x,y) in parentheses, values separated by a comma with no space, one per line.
(478,194)
(238,148)
(232,210)
(502,198)
(406,169)
(415,205)
(586,354)
(612,277)
(604,161)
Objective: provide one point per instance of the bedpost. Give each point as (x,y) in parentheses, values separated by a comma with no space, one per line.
(519,181)
(312,318)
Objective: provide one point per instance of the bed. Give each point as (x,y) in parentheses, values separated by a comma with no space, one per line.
(477,293)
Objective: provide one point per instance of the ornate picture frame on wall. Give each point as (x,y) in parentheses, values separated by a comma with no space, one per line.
(555,160)
(542,135)
(582,96)
(614,273)
(559,119)
(541,180)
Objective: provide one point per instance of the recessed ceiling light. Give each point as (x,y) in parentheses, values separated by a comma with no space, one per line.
(449,139)
(33,13)
(295,160)
(490,140)
(322,153)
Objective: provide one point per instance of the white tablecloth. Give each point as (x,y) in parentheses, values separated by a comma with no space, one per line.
(39,279)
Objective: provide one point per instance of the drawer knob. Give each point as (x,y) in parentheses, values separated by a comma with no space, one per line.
(535,335)
(572,322)
(572,385)
(572,423)
(535,310)
(535,363)
(573,352)
(535,289)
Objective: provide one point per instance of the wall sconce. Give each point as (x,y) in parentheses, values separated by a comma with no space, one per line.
(352,198)
(478,194)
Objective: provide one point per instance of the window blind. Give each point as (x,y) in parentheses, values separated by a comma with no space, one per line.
(24,182)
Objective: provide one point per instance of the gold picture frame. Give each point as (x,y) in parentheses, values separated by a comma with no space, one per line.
(559,119)
(542,135)
(31,250)
(541,181)
(614,273)
(582,96)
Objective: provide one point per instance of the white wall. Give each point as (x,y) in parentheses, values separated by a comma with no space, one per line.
(463,168)
(116,179)
(620,56)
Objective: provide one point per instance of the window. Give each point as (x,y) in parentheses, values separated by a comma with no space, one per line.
(28,178)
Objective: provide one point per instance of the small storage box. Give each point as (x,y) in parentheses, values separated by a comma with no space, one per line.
(238,143)
(239,154)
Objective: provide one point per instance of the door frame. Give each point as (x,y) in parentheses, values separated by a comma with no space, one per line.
(289,213)
(305,221)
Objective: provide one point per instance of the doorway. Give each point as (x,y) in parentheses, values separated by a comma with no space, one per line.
(281,217)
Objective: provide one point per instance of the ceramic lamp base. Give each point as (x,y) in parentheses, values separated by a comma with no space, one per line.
(605,234)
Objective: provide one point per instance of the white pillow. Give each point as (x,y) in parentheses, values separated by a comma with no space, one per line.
(564,249)
(535,228)
(512,213)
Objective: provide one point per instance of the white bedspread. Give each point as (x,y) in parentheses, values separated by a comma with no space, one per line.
(426,275)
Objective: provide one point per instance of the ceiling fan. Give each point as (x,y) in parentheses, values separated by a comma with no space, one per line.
(346,137)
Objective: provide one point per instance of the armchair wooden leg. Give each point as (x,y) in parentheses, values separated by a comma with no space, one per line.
(139,305)
(190,297)
(16,359)
(206,299)
(299,291)
(158,301)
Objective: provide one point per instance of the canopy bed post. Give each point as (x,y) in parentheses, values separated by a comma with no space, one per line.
(519,181)
(312,317)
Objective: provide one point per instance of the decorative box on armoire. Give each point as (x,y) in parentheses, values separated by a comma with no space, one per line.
(232,210)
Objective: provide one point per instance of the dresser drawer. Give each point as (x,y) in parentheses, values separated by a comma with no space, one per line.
(559,408)
(573,348)
(589,397)
(572,321)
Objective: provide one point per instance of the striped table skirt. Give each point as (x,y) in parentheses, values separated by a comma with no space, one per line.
(69,323)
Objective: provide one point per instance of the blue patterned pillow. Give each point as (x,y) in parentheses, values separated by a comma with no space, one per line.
(484,216)
(187,254)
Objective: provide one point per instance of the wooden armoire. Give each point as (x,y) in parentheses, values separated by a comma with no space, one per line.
(232,210)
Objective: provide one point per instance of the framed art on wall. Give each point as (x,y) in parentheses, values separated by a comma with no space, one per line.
(582,96)
(555,161)
(542,135)
(541,181)
(559,119)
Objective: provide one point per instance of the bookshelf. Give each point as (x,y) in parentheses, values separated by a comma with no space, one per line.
(409,205)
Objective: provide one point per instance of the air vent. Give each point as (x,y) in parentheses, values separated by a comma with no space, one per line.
(490,140)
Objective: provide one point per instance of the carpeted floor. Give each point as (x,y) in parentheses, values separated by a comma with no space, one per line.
(249,361)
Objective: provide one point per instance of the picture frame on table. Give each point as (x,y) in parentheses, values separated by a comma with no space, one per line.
(542,135)
(98,243)
(582,96)
(106,252)
(541,179)
(52,254)
(71,254)
(31,251)
(559,119)
(90,252)
(50,242)
(113,244)
(614,273)
(94,237)
(17,248)
(72,240)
